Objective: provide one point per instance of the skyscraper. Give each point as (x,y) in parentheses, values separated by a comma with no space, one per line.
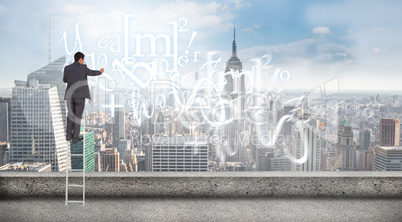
(369,159)
(364,139)
(388,158)
(4,122)
(389,132)
(97,162)
(360,156)
(111,160)
(130,158)
(306,143)
(287,126)
(37,127)
(233,150)
(52,74)
(77,161)
(345,153)
(158,124)
(178,153)
(119,126)
(3,148)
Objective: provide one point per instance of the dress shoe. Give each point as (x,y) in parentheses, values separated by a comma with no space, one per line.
(76,140)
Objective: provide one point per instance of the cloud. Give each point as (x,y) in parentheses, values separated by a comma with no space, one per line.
(251,28)
(378,50)
(73,9)
(321,30)
(154,18)
(2,10)
(379,29)
(303,52)
(309,62)
(240,3)
(198,15)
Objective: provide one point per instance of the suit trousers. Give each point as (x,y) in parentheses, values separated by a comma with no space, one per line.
(75,108)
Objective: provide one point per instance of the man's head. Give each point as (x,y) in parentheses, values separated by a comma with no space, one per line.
(79,57)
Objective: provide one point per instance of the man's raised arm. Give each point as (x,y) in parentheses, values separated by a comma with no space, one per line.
(93,72)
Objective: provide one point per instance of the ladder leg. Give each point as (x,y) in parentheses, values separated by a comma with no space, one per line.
(83,164)
(67,174)
(83,169)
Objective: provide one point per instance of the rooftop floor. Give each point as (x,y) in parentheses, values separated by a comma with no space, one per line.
(215,196)
(202,209)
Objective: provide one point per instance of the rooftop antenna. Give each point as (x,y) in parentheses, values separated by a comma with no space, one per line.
(234,30)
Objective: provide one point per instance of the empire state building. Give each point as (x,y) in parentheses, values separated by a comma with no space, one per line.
(234,68)
(234,148)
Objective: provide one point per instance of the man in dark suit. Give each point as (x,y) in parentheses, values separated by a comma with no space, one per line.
(75,75)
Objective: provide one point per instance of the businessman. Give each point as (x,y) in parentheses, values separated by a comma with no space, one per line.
(75,75)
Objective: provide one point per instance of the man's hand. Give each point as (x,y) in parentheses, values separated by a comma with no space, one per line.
(102,69)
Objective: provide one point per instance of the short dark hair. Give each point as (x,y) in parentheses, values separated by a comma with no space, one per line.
(78,56)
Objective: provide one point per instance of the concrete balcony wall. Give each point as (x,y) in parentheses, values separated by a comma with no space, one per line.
(204,184)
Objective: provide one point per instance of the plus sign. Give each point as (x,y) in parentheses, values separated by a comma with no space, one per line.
(112,105)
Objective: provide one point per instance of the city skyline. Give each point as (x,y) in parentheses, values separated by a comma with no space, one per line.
(142,58)
(314,41)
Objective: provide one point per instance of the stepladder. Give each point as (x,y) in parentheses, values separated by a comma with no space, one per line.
(76,154)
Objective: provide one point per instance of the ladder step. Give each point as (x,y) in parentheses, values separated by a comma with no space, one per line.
(77,154)
(76,170)
(75,201)
(75,185)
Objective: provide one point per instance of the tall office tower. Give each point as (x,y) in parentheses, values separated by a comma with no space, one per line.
(306,142)
(158,124)
(369,159)
(233,149)
(395,100)
(37,130)
(131,159)
(4,123)
(119,125)
(345,153)
(389,132)
(109,127)
(262,162)
(52,74)
(360,156)
(178,153)
(261,159)
(2,127)
(276,162)
(364,139)
(148,156)
(388,158)
(287,126)
(98,167)
(257,128)
(77,161)
(6,158)
(3,148)
(177,127)
(111,160)
(123,146)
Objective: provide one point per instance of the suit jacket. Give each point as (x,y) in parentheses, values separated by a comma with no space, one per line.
(77,73)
